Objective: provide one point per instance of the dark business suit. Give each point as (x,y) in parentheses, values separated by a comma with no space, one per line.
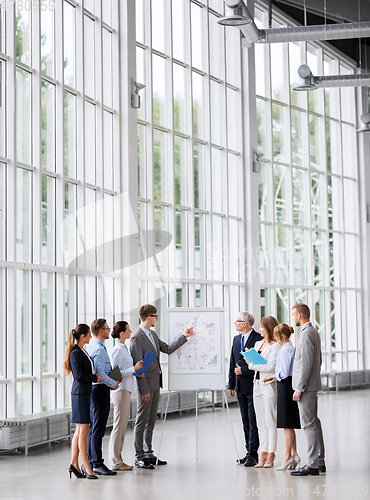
(83,377)
(243,384)
(150,384)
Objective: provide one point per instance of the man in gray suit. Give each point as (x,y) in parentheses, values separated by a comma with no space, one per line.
(306,382)
(142,341)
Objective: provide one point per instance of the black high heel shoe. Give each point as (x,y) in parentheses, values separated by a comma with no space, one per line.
(76,472)
(88,476)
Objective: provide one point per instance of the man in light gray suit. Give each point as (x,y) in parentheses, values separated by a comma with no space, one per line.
(306,382)
(142,341)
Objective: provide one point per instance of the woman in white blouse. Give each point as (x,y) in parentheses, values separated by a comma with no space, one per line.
(121,398)
(264,394)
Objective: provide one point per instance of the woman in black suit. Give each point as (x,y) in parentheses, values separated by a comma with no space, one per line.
(80,364)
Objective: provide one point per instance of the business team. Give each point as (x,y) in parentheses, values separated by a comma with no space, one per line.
(269,406)
(265,404)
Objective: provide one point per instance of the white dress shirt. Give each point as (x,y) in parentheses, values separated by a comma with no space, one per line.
(123,359)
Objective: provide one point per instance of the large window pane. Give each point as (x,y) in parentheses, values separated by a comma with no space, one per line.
(233,132)
(24,215)
(233,47)
(47,41)
(278,132)
(279,65)
(199,192)
(70,241)
(264,254)
(48,126)
(178,29)
(298,197)
(316,199)
(90,142)
(280,190)
(198,106)
(300,257)
(349,151)
(70,149)
(316,132)
(158,25)
(159,91)
(23,117)
(108,161)
(2,110)
(107,68)
(23,34)
(2,213)
(261,126)
(180,171)
(333,156)
(262,88)
(69,38)
(233,184)
(48,220)
(317,249)
(216,180)
(297,118)
(89,56)
(216,113)
(160,227)
(179,109)
(263,193)
(24,320)
(24,398)
(180,243)
(215,254)
(160,165)
(141,159)
(281,255)
(216,47)
(196,36)
(48,322)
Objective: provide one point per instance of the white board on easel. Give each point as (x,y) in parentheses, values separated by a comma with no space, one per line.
(199,364)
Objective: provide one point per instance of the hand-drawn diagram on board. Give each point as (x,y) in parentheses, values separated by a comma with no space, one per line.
(202,352)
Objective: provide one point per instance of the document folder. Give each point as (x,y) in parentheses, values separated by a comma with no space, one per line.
(253,356)
(147,361)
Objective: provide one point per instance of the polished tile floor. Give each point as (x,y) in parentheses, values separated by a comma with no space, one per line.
(346,423)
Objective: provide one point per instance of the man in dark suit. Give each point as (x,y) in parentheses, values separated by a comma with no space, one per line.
(142,341)
(241,380)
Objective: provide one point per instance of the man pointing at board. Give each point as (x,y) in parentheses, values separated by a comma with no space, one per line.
(142,341)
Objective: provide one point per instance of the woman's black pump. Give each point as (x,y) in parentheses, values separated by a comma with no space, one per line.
(76,472)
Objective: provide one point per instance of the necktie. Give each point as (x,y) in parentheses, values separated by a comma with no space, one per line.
(152,340)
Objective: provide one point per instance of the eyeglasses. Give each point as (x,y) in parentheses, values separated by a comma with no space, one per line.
(106,328)
(154,316)
(239,321)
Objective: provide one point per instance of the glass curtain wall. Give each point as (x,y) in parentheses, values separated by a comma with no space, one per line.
(190,158)
(59,152)
(308,197)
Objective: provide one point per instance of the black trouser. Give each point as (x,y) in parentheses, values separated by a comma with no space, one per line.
(249,424)
(99,412)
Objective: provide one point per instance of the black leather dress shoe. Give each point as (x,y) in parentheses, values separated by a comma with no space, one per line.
(322,469)
(144,464)
(305,471)
(104,471)
(241,461)
(250,462)
(155,461)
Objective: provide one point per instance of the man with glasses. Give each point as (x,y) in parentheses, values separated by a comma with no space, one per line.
(142,341)
(241,380)
(100,396)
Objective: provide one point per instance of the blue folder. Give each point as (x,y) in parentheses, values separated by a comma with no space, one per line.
(253,356)
(147,361)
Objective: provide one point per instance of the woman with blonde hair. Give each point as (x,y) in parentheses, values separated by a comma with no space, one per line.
(287,409)
(80,364)
(264,394)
